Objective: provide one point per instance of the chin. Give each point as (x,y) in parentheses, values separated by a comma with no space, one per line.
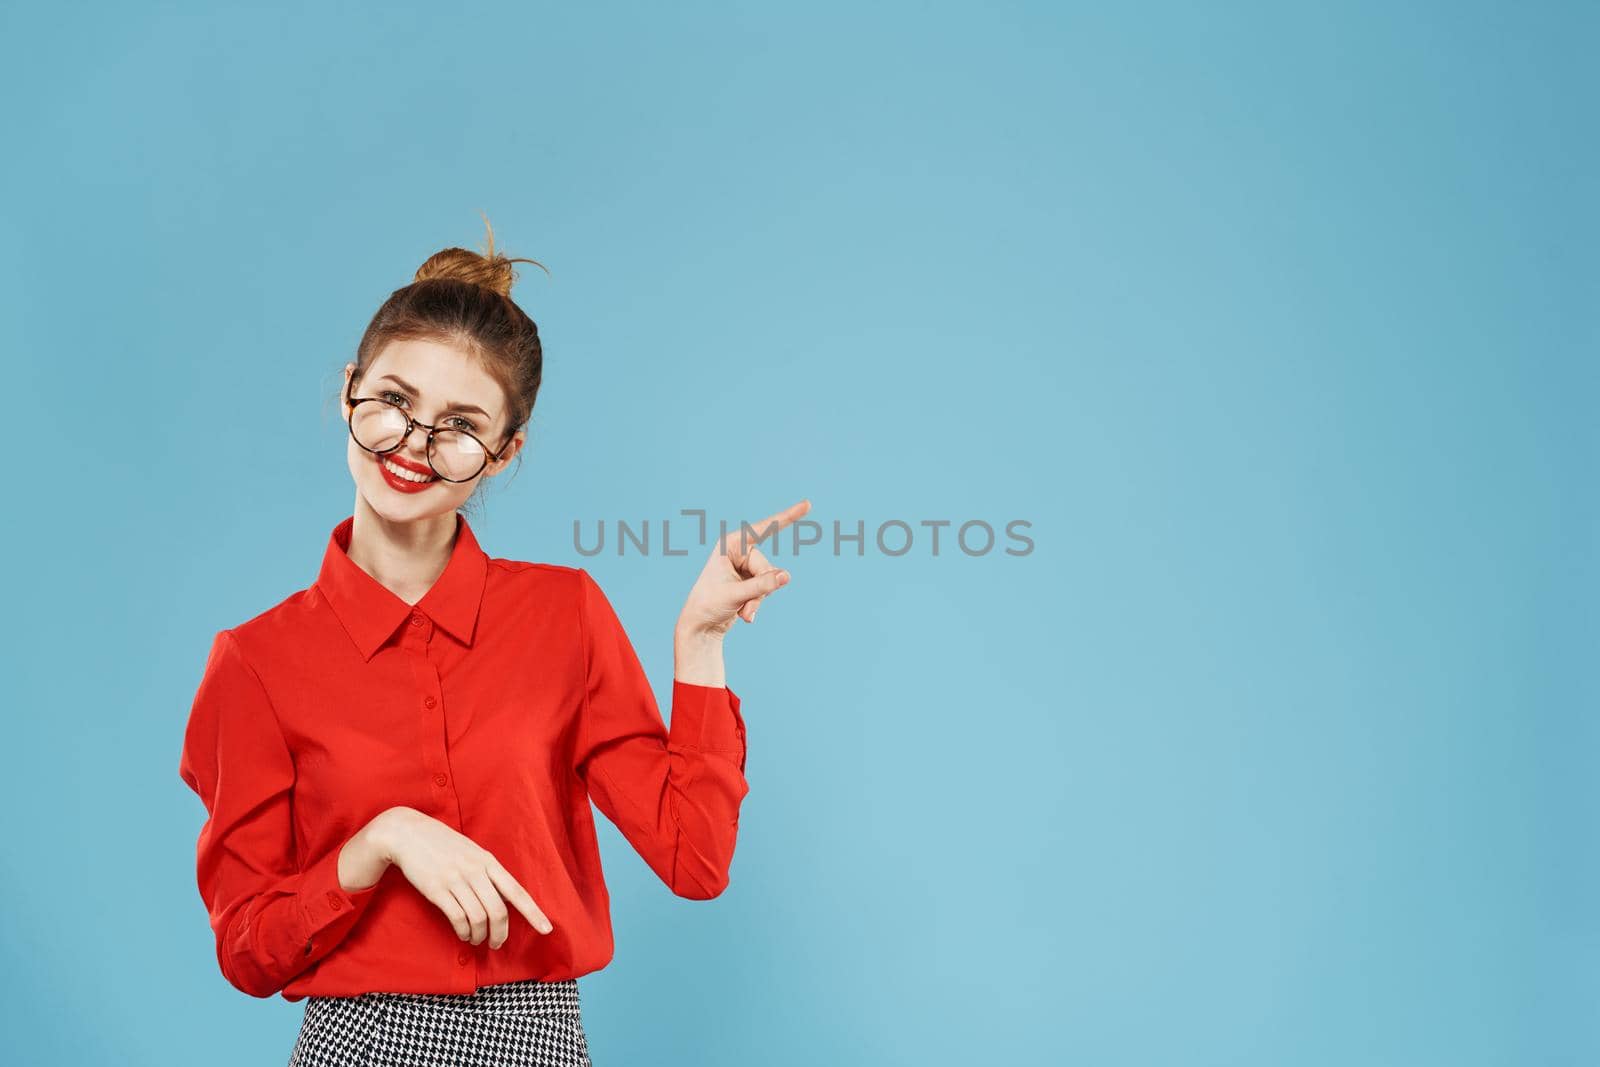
(381,501)
(403,511)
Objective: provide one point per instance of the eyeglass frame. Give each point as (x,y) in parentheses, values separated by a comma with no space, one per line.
(489,454)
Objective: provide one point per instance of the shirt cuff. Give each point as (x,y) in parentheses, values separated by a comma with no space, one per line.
(329,909)
(707,717)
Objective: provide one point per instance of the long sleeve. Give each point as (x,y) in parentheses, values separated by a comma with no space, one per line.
(272,917)
(674,794)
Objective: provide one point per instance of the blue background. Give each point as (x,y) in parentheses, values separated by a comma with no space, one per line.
(1276,322)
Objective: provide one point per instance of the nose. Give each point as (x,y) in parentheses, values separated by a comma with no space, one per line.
(420,436)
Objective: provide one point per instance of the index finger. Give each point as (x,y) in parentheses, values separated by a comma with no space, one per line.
(511,891)
(770,525)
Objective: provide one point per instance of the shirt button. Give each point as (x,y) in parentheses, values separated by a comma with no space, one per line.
(439,779)
(463,957)
(416,620)
(335,900)
(429,702)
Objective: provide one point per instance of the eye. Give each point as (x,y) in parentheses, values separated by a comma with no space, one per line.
(386,394)
(464,423)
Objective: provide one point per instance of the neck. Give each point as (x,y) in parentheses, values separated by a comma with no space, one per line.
(404,557)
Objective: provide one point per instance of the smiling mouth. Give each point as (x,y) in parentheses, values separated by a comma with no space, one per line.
(405,474)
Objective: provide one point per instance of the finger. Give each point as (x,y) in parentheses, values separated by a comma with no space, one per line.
(518,897)
(446,902)
(477,916)
(747,610)
(737,543)
(760,585)
(499,921)
(789,514)
(757,563)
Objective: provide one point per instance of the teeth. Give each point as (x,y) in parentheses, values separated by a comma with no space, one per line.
(401,472)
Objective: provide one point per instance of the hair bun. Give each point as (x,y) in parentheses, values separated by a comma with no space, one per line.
(490,269)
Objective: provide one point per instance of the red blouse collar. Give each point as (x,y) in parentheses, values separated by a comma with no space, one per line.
(370,612)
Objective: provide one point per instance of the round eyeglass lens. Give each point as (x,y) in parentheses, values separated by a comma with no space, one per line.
(377,426)
(456,455)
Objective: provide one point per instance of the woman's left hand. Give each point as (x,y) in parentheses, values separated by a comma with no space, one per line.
(737,577)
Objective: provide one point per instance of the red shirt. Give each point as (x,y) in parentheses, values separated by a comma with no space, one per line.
(500,703)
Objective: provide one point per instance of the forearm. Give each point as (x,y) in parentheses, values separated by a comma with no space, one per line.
(269,931)
(678,804)
(697,658)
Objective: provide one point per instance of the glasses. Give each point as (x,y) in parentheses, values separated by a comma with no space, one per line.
(380,426)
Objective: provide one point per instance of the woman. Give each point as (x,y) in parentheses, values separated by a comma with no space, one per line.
(397,761)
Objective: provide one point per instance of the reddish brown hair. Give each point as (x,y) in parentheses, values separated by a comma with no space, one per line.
(462,298)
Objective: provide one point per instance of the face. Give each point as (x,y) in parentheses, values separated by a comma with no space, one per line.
(442,386)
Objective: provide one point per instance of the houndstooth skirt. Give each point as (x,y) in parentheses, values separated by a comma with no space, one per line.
(527,1023)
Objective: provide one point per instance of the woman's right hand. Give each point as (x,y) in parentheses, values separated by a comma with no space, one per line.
(461,878)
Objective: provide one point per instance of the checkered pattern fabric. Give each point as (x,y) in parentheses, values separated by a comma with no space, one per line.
(528,1023)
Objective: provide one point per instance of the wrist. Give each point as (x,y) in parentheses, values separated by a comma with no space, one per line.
(382,832)
(693,636)
(697,658)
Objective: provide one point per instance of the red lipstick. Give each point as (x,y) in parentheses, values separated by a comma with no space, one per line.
(400,484)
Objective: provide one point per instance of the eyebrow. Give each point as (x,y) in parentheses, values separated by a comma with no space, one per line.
(408,387)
